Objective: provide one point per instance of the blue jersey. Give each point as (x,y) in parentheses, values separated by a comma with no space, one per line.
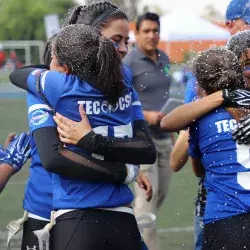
(38,193)
(227,165)
(65,93)
(191,90)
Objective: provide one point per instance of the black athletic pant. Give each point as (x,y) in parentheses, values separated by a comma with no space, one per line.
(228,234)
(29,240)
(96,229)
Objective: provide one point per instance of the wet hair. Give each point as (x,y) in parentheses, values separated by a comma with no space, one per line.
(216,69)
(147,16)
(99,15)
(90,56)
(48,50)
(239,43)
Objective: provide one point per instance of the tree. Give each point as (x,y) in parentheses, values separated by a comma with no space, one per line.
(212,14)
(24,20)
(129,6)
(153,8)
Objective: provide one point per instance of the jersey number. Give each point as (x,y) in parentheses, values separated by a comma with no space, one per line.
(243,157)
(121,131)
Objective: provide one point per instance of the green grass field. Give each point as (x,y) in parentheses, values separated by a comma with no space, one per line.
(4,76)
(174,219)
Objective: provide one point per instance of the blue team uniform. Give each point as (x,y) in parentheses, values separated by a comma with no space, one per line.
(65,93)
(191,90)
(226,163)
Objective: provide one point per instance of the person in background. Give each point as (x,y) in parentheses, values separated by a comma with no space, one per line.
(238,16)
(237,19)
(150,67)
(2,56)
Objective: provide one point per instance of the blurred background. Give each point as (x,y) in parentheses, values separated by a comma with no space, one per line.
(187,26)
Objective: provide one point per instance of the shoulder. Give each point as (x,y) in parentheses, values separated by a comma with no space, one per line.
(209,122)
(164,56)
(127,74)
(55,78)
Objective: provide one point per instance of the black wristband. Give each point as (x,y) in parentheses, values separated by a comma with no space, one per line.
(86,141)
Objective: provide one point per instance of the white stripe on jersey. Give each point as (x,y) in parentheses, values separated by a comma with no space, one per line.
(138,103)
(38,106)
(43,79)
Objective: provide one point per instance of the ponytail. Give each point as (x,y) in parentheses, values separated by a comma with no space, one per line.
(74,16)
(109,71)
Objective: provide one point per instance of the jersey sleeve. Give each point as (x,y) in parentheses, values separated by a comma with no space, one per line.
(136,104)
(39,113)
(51,84)
(193,149)
(137,107)
(191,91)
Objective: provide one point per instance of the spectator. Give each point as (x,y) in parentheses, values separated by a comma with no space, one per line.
(151,79)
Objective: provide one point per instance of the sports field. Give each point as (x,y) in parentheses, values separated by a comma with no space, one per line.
(174,220)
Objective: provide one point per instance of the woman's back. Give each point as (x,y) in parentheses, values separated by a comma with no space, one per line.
(226,164)
(65,93)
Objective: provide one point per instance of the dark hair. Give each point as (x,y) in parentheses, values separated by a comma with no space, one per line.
(47,51)
(216,69)
(90,56)
(239,43)
(147,16)
(99,15)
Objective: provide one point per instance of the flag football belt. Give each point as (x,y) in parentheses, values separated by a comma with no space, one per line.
(146,220)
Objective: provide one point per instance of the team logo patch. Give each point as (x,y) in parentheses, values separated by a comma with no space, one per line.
(36,72)
(166,69)
(39,117)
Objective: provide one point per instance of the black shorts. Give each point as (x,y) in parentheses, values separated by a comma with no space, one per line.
(96,229)
(29,240)
(228,234)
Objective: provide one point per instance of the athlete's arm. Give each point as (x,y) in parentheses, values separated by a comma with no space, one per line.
(46,84)
(186,114)
(57,159)
(19,77)
(181,117)
(137,150)
(6,171)
(179,155)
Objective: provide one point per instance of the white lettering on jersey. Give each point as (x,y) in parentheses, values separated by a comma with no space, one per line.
(96,107)
(226,125)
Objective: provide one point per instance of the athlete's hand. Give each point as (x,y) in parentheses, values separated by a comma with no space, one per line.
(242,133)
(239,98)
(144,183)
(153,117)
(17,152)
(71,132)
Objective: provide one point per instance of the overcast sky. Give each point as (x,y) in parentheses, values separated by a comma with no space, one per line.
(198,5)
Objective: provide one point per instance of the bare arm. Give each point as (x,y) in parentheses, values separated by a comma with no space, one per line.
(181,117)
(6,172)
(179,155)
